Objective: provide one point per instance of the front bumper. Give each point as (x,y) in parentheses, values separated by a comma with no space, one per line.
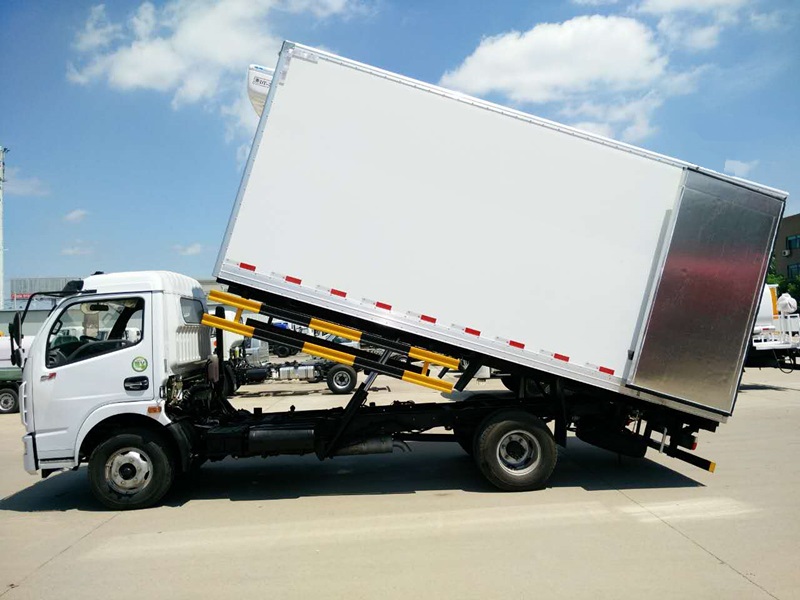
(29,457)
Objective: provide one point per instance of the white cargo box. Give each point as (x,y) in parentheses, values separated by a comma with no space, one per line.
(501,233)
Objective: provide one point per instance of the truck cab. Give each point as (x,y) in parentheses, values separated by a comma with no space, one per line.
(101,363)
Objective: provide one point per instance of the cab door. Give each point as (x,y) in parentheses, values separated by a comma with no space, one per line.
(98,351)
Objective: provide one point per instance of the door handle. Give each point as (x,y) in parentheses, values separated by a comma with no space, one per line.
(137,384)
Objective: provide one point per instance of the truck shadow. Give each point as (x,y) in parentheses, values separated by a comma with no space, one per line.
(746,387)
(429,467)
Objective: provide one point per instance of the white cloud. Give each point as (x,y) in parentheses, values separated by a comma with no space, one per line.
(662,7)
(553,61)
(76,216)
(697,25)
(23,186)
(78,248)
(767,21)
(241,119)
(739,168)
(681,32)
(190,250)
(143,21)
(195,50)
(98,31)
(629,119)
(607,75)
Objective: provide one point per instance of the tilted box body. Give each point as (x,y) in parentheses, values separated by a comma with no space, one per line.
(441,215)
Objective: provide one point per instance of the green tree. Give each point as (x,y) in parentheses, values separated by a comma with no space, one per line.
(792,286)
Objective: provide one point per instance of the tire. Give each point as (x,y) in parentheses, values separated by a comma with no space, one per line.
(282,351)
(515,451)
(9,401)
(131,470)
(341,379)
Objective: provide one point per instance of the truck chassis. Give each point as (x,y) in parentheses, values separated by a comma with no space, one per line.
(511,435)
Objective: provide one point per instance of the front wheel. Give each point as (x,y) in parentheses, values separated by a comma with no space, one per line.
(341,379)
(9,401)
(515,451)
(131,470)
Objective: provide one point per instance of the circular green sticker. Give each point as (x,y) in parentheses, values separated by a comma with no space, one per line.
(139,364)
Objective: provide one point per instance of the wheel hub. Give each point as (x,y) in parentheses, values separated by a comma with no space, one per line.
(519,452)
(6,401)
(128,471)
(341,379)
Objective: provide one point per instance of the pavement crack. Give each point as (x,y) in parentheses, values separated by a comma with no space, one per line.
(699,545)
(18,584)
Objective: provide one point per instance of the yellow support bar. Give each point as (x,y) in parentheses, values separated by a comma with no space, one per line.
(334,355)
(235,301)
(433,357)
(340,330)
(429,382)
(218,322)
(712,467)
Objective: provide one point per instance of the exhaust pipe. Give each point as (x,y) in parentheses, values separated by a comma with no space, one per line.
(379,445)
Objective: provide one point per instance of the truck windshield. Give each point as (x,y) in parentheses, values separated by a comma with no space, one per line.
(92,328)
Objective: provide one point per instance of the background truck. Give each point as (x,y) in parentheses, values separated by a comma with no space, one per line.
(428,184)
(776,335)
(246,361)
(10,376)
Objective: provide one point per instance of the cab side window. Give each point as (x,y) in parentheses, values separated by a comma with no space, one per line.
(93,328)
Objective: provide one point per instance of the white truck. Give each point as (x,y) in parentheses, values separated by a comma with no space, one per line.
(776,335)
(405,190)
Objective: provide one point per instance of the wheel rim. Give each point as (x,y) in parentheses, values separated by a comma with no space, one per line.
(519,452)
(6,401)
(341,379)
(128,471)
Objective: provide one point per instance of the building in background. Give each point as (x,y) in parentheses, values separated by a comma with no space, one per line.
(787,248)
(22,289)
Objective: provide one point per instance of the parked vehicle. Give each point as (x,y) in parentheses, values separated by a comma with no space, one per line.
(10,376)
(341,379)
(776,336)
(428,185)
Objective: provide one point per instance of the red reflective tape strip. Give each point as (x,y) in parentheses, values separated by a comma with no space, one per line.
(606,370)
(519,345)
(471,331)
(247,267)
(383,305)
(340,293)
(561,357)
(428,319)
(291,279)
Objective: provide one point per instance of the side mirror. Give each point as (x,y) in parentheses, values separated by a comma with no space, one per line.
(15,335)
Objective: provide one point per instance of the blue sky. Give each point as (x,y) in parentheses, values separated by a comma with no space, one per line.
(128,122)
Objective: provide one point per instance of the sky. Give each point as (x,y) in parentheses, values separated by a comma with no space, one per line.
(128,123)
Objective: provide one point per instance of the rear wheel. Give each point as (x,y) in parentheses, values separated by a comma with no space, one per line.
(341,379)
(9,401)
(131,470)
(515,451)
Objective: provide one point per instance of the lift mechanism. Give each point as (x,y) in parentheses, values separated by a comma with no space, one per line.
(396,361)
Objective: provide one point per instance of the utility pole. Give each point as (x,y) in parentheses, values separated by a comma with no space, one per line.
(2,250)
